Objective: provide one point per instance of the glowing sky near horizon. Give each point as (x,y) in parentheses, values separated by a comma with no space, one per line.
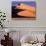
(23,0)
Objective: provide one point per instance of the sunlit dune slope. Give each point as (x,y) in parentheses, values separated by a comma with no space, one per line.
(25,7)
(26,14)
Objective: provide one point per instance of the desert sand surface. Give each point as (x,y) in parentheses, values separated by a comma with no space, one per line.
(29,11)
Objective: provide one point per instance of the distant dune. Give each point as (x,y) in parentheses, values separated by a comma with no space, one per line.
(26,7)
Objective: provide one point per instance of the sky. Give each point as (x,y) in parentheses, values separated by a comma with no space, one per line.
(32,3)
(23,0)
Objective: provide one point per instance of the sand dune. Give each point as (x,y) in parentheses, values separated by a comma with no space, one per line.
(29,11)
(26,14)
(25,7)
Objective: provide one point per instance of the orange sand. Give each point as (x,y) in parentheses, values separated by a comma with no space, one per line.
(29,11)
(26,7)
(26,14)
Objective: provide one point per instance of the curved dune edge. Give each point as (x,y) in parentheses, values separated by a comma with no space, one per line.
(25,7)
(26,14)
